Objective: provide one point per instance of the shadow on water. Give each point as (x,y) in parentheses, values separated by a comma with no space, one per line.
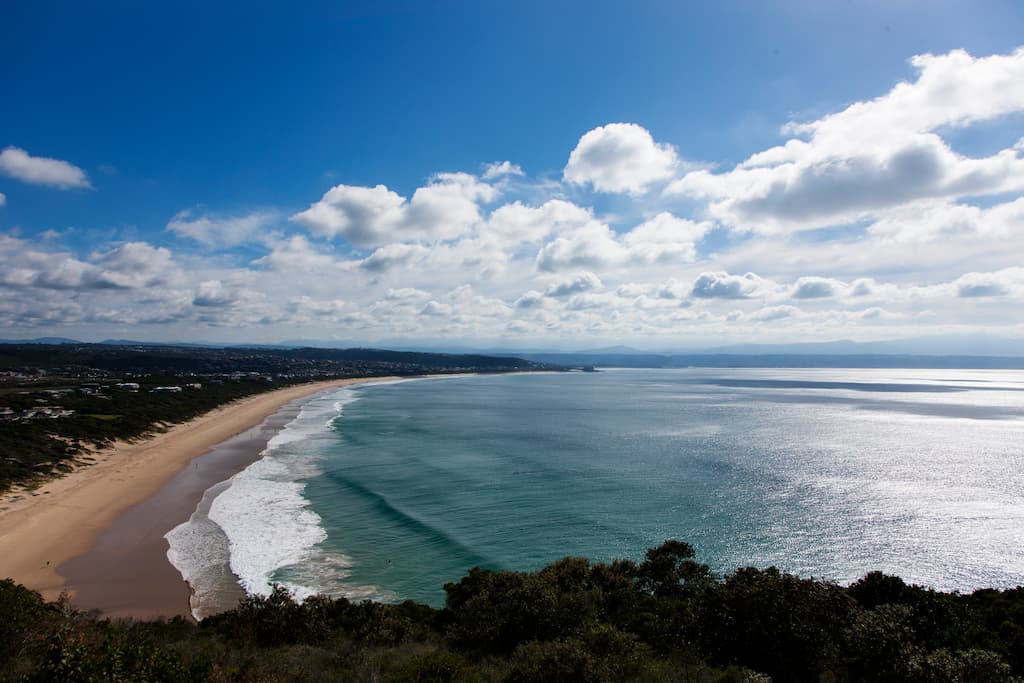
(464,554)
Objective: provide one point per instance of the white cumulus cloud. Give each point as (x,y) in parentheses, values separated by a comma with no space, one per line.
(875,155)
(665,239)
(297,255)
(1006,282)
(593,245)
(19,164)
(133,265)
(530,299)
(213,294)
(813,287)
(500,169)
(722,285)
(446,208)
(954,89)
(620,157)
(945,221)
(581,282)
(392,256)
(516,223)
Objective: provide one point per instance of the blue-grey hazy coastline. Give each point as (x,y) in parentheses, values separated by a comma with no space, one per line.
(389,491)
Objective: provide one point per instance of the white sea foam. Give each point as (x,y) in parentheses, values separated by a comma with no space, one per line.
(259,522)
(198,549)
(267,521)
(189,550)
(327,573)
(264,514)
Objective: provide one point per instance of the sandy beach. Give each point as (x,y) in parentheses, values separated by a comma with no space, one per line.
(41,533)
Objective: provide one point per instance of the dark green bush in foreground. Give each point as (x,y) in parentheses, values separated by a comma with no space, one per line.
(667,618)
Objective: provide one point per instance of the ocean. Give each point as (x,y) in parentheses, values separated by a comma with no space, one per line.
(389,491)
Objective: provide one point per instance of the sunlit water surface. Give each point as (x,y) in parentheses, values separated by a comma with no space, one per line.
(390,491)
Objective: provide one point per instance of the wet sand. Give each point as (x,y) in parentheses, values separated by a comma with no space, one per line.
(126,572)
(97,533)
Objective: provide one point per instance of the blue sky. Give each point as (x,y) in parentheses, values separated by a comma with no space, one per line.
(664,175)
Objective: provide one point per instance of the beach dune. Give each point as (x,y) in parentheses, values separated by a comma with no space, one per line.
(129,575)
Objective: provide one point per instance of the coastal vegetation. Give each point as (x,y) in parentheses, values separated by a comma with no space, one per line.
(665,618)
(34,449)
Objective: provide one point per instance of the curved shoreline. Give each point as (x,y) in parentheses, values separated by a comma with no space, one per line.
(64,518)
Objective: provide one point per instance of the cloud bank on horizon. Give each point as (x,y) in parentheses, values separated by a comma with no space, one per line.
(864,223)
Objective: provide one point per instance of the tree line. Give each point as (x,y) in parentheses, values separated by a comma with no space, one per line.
(666,618)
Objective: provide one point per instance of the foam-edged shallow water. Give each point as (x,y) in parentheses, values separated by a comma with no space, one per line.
(253,528)
(198,549)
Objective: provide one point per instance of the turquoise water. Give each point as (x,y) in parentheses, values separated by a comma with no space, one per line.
(400,488)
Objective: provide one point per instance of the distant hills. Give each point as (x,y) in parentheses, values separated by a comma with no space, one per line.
(81,359)
(41,340)
(937,346)
(777,360)
(926,352)
(948,345)
(950,351)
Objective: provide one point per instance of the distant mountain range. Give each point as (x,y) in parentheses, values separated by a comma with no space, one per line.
(777,360)
(41,340)
(941,346)
(926,352)
(134,342)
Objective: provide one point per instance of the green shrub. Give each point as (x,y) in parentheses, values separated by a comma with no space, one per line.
(436,667)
